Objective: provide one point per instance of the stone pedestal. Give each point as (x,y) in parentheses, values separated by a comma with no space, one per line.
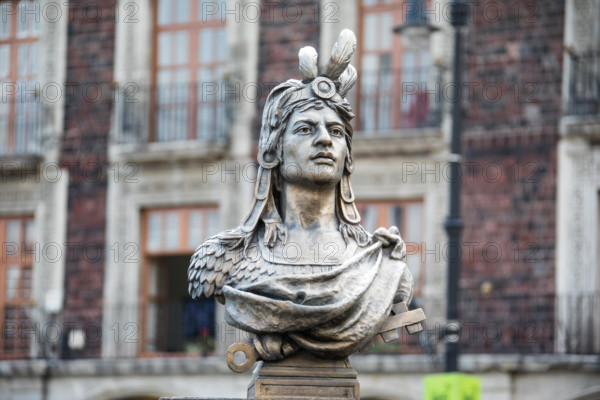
(303,376)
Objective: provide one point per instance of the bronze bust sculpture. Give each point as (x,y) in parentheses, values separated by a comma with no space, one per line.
(300,272)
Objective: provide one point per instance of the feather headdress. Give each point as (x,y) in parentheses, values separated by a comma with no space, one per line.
(341,54)
(338,68)
(308,63)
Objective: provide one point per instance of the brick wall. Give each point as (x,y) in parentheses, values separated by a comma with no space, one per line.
(90,56)
(514,65)
(285,27)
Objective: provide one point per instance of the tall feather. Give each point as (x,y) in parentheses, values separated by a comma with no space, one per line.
(347,80)
(340,55)
(308,63)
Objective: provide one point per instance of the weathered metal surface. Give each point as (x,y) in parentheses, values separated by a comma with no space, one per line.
(300,272)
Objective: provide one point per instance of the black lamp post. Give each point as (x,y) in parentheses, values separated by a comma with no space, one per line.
(454,223)
(416,19)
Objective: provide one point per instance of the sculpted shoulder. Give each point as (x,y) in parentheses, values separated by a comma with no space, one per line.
(215,262)
(237,258)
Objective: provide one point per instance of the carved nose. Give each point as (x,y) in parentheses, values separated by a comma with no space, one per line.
(323,138)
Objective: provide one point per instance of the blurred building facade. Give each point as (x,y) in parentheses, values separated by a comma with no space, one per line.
(128,135)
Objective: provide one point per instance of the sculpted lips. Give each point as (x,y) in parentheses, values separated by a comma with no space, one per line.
(323,156)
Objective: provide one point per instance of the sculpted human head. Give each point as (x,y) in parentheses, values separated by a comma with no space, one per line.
(306,139)
(285,103)
(314,148)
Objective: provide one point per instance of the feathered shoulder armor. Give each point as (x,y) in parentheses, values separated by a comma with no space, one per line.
(215,262)
(223,259)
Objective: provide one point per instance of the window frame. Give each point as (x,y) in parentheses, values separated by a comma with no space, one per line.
(382,221)
(14,42)
(396,48)
(24,260)
(397,118)
(145,298)
(194,27)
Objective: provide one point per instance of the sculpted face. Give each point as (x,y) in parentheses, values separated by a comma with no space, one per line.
(314,148)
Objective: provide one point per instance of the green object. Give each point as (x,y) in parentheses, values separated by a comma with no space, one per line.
(452,386)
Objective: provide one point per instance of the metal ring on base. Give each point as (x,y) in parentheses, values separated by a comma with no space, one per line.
(249,352)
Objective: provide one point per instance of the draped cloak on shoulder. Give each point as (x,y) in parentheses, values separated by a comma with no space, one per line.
(330,314)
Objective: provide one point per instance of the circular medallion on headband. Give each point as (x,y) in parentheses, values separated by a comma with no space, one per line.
(323,87)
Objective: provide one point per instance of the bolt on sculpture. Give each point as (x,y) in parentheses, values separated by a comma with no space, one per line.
(300,272)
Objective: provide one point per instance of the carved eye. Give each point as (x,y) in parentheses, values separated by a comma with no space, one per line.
(304,130)
(337,132)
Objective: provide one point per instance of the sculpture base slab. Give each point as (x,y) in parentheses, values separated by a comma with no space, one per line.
(304,376)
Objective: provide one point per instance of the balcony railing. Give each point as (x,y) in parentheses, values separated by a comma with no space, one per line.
(21,119)
(180,327)
(584,84)
(171,113)
(400,99)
